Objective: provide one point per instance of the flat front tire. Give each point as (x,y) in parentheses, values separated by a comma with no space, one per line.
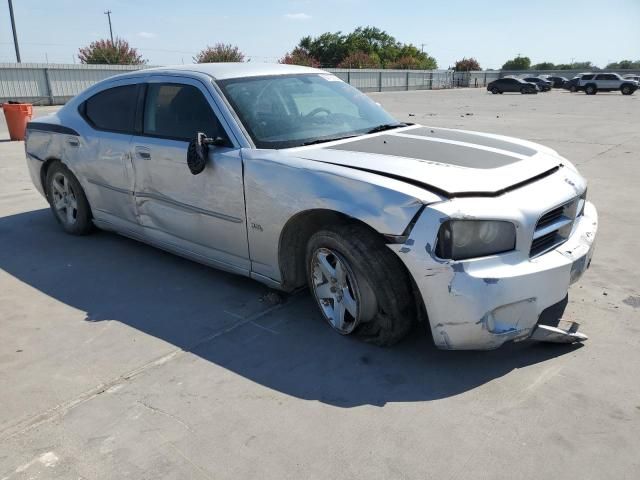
(67,200)
(360,286)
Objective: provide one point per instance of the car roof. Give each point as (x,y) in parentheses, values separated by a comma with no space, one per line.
(222,71)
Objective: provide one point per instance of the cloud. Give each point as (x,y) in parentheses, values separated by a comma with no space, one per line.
(146,34)
(297,16)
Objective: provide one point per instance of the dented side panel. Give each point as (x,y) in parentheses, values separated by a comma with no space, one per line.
(279,186)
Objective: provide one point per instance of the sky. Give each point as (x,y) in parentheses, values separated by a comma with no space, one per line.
(172,32)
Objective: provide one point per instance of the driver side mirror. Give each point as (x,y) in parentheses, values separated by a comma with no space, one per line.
(198,151)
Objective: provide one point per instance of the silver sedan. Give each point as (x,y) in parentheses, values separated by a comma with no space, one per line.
(290,176)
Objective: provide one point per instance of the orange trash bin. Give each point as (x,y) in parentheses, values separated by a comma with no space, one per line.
(17,116)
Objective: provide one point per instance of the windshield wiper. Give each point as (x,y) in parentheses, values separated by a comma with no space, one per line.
(324,140)
(386,126)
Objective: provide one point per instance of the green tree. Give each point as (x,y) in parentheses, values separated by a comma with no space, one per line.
(624,65)
(466,65)
(220,52)
(331,49)
(518,63)
(586,66)
(544,66)
(297,56)
(360,59)
(105,52)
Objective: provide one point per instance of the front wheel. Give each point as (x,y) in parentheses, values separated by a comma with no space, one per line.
(360,286)
(68,201)
(573,89)
(495,91)
(590,90)
(626,89)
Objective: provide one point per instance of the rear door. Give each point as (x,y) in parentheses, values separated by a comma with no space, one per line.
(103,152)
(607,81)
(204,214)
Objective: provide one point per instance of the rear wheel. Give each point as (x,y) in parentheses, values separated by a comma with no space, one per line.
(67,200)
(590,89)
(360,286)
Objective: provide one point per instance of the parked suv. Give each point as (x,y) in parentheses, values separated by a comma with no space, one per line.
(593,83)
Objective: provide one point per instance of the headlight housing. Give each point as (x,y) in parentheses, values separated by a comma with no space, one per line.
(461,239)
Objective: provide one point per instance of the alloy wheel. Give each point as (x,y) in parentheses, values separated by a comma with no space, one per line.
(64,199)
(335,289)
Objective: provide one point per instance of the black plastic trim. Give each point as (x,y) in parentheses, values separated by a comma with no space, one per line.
(51,127)
(444,193)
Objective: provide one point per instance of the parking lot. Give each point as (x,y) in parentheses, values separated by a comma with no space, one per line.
(118,360)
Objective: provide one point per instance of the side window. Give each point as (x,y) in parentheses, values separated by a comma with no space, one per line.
(587,77)
(178,111)
(112,109)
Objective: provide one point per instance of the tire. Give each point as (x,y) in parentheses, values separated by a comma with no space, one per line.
(590,89)
(495,91)
(627,89)
(524,90)
(372,276)
(573,89)
(67,200)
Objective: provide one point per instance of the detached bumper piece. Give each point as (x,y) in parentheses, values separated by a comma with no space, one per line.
(547,333)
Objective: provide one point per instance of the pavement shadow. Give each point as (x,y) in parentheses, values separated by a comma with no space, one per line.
(215,315)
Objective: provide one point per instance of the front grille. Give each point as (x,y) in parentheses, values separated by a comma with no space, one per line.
(550,217)
(554,227)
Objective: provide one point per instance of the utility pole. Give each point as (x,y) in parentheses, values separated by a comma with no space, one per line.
(422,47)
(13,27)
(108,14)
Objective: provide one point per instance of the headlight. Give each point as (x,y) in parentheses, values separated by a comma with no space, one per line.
(460,239)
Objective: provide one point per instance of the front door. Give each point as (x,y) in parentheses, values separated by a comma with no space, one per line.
(201,215)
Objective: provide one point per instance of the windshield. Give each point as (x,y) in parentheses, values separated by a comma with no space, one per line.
(286,111)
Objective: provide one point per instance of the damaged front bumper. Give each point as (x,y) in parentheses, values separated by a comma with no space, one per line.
(483,303)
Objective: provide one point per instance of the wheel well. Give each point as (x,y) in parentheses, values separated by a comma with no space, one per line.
(294,238)
(43,172)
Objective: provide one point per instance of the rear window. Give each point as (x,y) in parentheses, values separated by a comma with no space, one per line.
(112,109)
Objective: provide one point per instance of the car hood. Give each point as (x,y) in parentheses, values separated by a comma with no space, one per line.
(448,162)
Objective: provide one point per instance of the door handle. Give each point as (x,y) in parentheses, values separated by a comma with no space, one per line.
(72,141)
(143,153)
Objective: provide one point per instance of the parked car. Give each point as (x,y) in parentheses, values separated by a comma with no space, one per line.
(572,85)
(557,82)
(593,83)
(506,84)
(632,77)
(290,176)
(542,84)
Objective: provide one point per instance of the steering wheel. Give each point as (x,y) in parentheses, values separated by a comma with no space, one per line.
(316,111)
